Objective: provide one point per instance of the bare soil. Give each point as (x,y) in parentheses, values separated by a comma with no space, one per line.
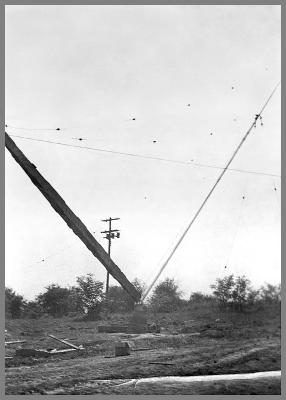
(226,344)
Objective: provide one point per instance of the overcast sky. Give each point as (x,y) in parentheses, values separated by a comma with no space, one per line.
(90,70)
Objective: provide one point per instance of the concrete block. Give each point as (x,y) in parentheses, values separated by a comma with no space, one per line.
(121,349)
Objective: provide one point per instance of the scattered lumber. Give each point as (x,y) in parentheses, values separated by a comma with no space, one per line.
(14,341)
(66,343)
(40,353)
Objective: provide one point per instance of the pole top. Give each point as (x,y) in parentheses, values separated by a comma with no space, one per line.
(109,219)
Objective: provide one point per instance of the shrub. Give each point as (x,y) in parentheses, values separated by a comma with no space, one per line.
(270,294)
(54,301)
(91,294)
(234,293)
(198,297)
(166,297)
(14,304)
(33,310)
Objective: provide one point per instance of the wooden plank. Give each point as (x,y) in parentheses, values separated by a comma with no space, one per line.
(66,343)
(59,205)
(15,341)
(62,351)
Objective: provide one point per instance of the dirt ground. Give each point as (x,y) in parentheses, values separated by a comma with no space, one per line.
(185,347)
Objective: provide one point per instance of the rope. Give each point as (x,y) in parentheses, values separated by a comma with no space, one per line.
(209,194)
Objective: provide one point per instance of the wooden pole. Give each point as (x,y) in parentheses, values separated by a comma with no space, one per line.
(59,205)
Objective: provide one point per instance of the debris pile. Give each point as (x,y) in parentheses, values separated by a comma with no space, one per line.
(24,351)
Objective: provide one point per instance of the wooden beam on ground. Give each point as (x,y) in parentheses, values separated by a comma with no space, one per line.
(15,341)
(59,205)
(66,343)
(61,351)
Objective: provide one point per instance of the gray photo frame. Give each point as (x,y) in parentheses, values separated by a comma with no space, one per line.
(2,181)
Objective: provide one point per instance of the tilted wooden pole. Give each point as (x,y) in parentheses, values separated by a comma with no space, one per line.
(69,217)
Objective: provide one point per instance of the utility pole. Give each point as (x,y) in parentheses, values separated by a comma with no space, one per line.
(110,234)
(73,221)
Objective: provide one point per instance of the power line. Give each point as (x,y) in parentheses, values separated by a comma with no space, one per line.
(189,163)
(209,194)
(33,129)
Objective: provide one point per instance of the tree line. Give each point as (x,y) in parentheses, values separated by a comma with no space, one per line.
(87,298)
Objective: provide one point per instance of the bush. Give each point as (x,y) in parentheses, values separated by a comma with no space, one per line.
(198,297)
(270,294)
(234,293)
(166,297)
(32,310)
(54,301)
(76,304)
(91,295)
(14,304)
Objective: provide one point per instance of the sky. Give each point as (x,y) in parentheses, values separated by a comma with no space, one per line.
(193,77)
